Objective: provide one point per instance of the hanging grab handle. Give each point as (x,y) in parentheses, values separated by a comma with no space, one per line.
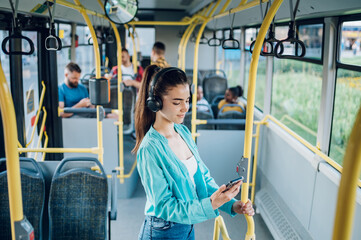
(214,41)
(17,35)
(291,38)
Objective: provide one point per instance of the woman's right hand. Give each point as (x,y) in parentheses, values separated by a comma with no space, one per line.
(219,197)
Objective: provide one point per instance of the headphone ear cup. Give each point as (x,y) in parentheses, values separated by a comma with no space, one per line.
(154,104)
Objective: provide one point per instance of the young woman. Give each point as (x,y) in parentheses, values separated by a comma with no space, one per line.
(180,191)
(231,97)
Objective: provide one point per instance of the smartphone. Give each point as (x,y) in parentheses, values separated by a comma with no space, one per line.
(232,182)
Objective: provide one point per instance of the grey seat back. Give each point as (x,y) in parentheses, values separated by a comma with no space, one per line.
(231,115)
(33,196)
(214,86)
(202,115)
(78,201)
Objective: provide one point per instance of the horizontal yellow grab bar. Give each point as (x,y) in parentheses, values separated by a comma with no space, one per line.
(94,150)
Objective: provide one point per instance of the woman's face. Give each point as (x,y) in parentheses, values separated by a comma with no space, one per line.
(229,97)
(176,103)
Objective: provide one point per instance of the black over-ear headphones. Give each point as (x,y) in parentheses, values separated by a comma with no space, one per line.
(154,103)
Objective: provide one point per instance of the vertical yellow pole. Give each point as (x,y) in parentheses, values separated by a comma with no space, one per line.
(184,47)
(180,47)
(254,168)
(134,59)
(346,199)
(187,36)
(97,75)
(250,106)
(195,70)
(120,99)
(11,151)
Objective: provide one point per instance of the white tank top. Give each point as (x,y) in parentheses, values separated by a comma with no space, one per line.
(192,166)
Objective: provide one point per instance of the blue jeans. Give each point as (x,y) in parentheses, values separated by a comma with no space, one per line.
(155,228)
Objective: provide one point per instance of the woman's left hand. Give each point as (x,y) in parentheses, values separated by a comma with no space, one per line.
(243,208)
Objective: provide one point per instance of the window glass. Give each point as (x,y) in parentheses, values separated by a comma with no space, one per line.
(65,34)
(296,94)
(83,34)
(85,58)
(31,88)
(5,59)
(63,58)
(347,104)
(145,39)
(260,81)
(350,52)
(311,35)
(251,34)
(232,61)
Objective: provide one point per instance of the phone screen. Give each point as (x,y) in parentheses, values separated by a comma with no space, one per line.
(231,183)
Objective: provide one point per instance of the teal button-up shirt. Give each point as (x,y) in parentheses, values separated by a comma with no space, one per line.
(170,192)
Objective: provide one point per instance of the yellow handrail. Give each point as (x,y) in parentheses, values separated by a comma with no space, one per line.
(94,150)
(250,106)
(346,199)
(195,68)
(41,131)
(12,157)
(134,59)
(83,12)
(38,113)
(220,227)
(45,145)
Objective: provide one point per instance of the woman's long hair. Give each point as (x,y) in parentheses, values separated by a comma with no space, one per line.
(236,91)
(144,117)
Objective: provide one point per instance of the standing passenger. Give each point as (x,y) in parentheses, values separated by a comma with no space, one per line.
(129,78)
(157,55)
(180,191)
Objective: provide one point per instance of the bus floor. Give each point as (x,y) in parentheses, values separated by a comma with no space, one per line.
(131,216)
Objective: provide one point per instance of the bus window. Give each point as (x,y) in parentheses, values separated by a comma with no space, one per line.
(311,35)
(350,43)
(251,34)
(65,34)
(30,88)
(296,92)
(347,103)
(260,82)
(146,38)
(5,61)
(63,56)
(232,61)
(84,52)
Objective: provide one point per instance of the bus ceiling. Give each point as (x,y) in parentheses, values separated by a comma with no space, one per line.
(152,10)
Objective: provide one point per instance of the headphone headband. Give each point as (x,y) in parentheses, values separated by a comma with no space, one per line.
(154,103)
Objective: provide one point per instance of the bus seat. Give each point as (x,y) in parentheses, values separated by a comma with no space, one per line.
(189,73)
(33,195)
(215,102)
(78,202)
(231,115)
(203,115)
(129,99)
(214,72)
(214,86)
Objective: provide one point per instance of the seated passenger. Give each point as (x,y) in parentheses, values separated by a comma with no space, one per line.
(202,103)
(231,97)
(71,93)
(128,76)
